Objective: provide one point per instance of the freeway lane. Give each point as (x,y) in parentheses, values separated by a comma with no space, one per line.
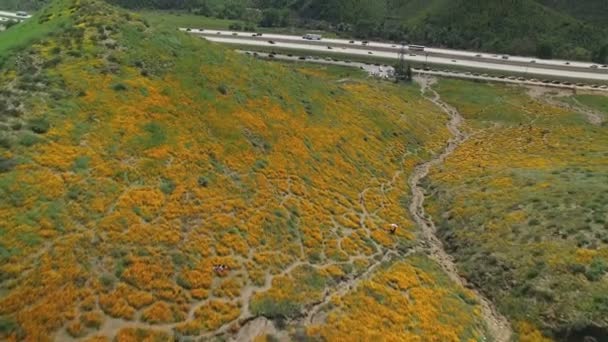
(432,52)
(13,15)
(303,46)
(387,72)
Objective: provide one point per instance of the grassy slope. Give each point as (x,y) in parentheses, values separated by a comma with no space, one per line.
(595,11)
(525,207)
(138,157)
(21,36)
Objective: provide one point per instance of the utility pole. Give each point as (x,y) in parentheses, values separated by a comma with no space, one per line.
(400,69)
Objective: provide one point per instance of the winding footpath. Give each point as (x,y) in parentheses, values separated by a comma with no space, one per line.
(497,324)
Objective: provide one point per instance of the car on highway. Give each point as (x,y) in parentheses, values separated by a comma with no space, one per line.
(365,42)
(302,58)
(595,86)
(505,57)
(604,87)
(188,29)
(478,55)
(218,32)
(604,66)
(271,42)
(21,14)
(533,61)
(594,66)
(235,34)
(413,54)
(370,53)
(567,63)
(329,48)
(351,42)
(454,61)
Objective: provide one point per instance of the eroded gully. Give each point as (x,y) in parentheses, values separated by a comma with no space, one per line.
(497,324)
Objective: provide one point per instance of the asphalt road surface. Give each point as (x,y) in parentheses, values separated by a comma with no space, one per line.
(548,68)
(384,71)
(5,16)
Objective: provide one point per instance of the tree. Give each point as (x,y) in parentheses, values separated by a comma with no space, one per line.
(274,18)
(601,56)
(544,51)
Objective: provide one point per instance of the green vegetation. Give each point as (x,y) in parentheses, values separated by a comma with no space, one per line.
(545,28)
(522,206)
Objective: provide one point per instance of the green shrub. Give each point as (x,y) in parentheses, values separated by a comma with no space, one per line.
(223,89)
(106,280)
(7,165)
(275,309)
(596,270)
(81,163)
(7,325)
(28,139)
(203,181)
(39,125)
(5,141)
(167,186)
(119,87)
(236,26)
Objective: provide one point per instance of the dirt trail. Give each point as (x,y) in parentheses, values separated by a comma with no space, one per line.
(555,98)
(497,324)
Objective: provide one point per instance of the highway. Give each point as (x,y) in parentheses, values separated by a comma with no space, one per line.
(431,56)
(388,72)
(6,16)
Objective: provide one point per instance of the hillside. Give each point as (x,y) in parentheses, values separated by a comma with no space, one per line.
(135,162)
(155,186)
(594,11)
(522,205)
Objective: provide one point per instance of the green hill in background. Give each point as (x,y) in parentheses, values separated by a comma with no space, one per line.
(544,28)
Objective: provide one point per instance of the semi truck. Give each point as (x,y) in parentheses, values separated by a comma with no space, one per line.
(416,47)
(310,36)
